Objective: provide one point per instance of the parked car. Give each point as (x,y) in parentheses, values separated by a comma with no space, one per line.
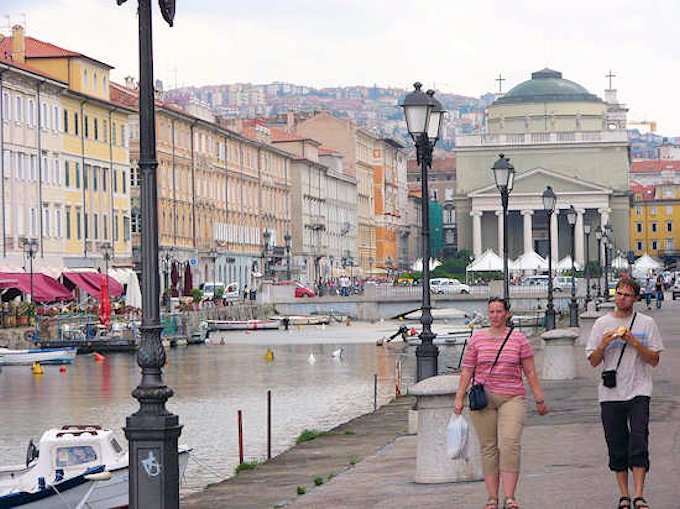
(562,283)
(676,289)
(300,289)
(210,288)
(442,285)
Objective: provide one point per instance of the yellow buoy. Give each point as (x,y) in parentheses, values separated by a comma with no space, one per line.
(269,355)
(37,368)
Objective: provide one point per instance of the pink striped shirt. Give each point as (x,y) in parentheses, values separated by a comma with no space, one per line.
(506,377)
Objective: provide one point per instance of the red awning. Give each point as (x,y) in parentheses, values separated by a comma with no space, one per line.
(91,282)
(45,288)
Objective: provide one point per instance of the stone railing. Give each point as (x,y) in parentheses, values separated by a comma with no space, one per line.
(479,140)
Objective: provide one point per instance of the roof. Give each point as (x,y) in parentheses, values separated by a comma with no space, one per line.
(547,85)
(654,166)
(28,68)
(40,49)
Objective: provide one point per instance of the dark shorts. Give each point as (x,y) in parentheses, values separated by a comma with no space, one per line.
(626,429)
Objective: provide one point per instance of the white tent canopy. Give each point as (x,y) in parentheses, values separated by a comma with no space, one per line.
(133,294)
(565,264)
(530,260)
(488,261)
(645,264)
(418,265)
(620,263)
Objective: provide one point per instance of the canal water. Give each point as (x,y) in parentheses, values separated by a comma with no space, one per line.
(211,383)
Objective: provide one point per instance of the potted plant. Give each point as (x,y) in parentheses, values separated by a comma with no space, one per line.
(25,313)
(197,296)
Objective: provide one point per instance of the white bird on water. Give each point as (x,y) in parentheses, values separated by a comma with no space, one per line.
(311,359)
(336,354)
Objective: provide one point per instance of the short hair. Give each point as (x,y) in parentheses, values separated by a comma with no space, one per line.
(505,302)
(629,281)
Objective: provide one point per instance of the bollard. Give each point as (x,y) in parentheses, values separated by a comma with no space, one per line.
(269,424)
(559,359)
(240,438)
(435,396)
(375,392)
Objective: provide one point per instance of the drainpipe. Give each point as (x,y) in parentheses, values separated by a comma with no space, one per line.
(174,187)
(86,230)
(110,183)
(2,164)
(40,182)
(193,187)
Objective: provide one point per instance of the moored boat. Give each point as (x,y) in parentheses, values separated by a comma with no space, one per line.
(9,357)
(214,325)
(303,319)
(70,451)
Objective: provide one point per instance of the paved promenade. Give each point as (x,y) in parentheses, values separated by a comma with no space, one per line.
(371,460)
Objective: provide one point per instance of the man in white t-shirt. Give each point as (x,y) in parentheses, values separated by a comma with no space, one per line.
(628,343)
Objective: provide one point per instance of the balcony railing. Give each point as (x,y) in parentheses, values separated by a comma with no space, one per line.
(479,140)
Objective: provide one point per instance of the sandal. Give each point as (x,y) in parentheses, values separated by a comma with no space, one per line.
(511,503)
(491,503)
(640,503)
(624,503)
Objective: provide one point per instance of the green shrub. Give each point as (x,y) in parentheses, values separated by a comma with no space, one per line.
(310,434)
(301,490)
(318,481)
(247,465)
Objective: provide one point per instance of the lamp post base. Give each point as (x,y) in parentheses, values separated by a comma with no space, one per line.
(550,319)
(153,450)
(427,354)
(573,314)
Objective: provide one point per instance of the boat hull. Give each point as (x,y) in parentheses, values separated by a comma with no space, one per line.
(42,355)
(214,325)
(92,345)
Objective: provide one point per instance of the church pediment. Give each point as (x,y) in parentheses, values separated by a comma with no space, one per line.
(535,181)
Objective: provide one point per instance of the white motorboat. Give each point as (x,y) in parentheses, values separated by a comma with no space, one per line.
(64,355)
(302,319)
(242,324)
(67,452)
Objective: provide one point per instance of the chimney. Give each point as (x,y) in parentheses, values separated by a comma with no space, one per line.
(18,44)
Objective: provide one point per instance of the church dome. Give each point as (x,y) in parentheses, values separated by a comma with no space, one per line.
(547,85)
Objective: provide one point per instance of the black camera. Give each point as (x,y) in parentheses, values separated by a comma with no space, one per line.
(609,378)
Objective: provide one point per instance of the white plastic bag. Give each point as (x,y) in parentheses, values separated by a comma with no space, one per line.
(457,437)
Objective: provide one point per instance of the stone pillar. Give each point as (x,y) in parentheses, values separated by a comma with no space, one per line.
(554,232)
(579,237)
(435,403)
(604,219)
(499,222)
(559,358)
(528,233)
(476,232)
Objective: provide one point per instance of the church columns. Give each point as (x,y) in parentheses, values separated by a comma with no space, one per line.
(554,233)
(476,232)
(528,233)
(604,219)
(499,219)
(578,237)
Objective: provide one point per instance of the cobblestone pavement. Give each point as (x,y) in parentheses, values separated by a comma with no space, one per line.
(564,456)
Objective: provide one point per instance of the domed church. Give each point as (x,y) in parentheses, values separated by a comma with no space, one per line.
(557,134)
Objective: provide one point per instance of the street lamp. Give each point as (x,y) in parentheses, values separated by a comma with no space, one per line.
(213,256)
(424,116)
(573,305)
(549,201)
(167,265)
(504,175)
(30,250)
(598,237)
(586,230)
(152,431)
(266,235)
(287,238)
(631,260)
(370,266)
(608,245)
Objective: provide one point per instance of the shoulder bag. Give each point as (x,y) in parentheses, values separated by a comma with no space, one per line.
(477,396)
(609,376)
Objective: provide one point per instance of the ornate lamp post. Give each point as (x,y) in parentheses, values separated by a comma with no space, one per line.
(608,245)
(152,431)
(30,250)
(287,239)
(586,230)
(504,175)
(549,201)
(266,235)
(573,305)
(424,116)
(598,237)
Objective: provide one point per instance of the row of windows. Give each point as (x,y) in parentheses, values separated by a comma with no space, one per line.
(669,245)
(54,227)
(95,81)
(653,210)
(94,128)
(654,227)
(25,110)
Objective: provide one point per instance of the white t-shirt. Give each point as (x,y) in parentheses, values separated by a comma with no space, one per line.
(634,376)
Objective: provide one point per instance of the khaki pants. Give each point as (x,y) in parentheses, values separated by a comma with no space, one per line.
(499,427)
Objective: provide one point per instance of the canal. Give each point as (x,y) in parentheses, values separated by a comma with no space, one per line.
(211,383)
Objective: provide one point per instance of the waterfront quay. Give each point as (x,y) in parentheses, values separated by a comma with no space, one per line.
(370,461)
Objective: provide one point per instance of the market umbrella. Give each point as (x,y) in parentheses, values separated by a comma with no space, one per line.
(104,302)
(188,283)
(174,278)
(133,295)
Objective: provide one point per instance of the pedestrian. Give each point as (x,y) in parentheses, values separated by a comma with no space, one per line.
(627,344)
(659,291)
(649,290)
(497,356)
(245,292)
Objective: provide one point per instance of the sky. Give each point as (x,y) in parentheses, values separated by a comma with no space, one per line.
(458,46)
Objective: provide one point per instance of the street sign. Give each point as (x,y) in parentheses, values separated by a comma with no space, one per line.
(193,261)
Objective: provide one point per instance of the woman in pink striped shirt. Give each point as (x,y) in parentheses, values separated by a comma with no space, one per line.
(500,424)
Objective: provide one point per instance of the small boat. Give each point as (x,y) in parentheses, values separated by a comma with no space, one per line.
(302,319)
(214,325)
(71,451)
(10,357)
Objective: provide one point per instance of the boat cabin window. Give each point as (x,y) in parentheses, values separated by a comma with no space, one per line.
(116,446)
(75,455)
